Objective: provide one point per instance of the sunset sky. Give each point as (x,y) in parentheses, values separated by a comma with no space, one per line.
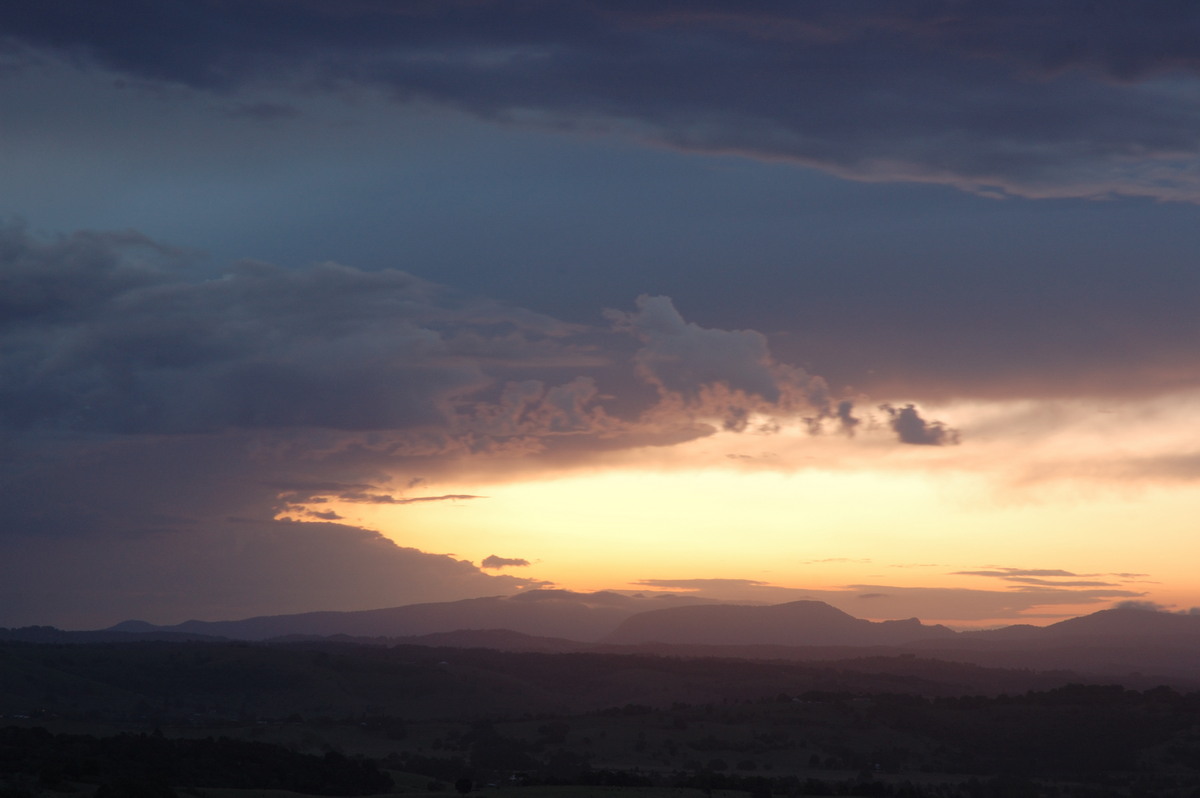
(312,305)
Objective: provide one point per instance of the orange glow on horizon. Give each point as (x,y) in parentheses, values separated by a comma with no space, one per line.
(827,514)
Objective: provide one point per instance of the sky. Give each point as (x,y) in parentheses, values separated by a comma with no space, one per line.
(313,305)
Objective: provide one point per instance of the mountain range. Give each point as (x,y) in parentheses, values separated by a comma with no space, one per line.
(1123,641)
(580,617)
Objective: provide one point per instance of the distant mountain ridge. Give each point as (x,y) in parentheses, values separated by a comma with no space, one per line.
(616,619)
(129,633)
(583,617)
(607,618)
(796,623)
(1132,643)
(1111,625)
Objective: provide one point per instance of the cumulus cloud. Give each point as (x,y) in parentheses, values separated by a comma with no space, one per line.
(144,401)
(731,376)
(111,333)
(724,374)
(105,339)
(1153,606)
(530,407)
(911,428)
(494,562)
(128,349)
(1066,99)
(148,410)
(845,415)
(681,358)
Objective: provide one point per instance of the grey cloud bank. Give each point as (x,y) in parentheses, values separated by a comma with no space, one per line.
(157,421)
(504,147)
(418,213)
(104,334)
(1067,99)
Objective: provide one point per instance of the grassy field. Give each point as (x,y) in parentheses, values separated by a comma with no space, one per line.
(305,715)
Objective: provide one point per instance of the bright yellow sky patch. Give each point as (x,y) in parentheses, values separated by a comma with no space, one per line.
(1029,491)
(809,529)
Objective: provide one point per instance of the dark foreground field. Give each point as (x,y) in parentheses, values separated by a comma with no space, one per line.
(239,719)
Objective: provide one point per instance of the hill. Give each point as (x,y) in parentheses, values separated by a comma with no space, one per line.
(796,623)
(1140,646)
(428,717)
(546,613)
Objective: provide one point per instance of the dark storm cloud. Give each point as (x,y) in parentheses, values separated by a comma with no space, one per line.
(149,410)
(99,338)
(263,111)
(102,527)
(113,334)
(892,290)
(149,413)
(1064,99)
(226,569)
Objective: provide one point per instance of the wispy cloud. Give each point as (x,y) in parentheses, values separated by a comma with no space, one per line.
(1049,577)
(494,562)
(962,606)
